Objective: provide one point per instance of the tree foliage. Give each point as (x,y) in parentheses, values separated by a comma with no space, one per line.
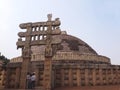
(4,60)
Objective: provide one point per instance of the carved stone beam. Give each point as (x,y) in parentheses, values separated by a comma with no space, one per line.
(43,42)
(53,23)
(54,32)
(21,44)
(25,25)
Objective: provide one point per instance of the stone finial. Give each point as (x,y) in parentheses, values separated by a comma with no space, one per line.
(49,17)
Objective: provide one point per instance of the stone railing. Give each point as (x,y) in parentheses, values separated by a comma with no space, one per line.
(16,59)
(78,56)
(72,56)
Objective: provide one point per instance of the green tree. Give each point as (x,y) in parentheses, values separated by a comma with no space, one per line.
(4,60)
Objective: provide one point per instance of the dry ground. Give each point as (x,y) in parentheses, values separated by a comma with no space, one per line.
(116,87)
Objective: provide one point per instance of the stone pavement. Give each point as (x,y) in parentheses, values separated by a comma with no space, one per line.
(37,88)
(112,87)
(20,89)
(115,87)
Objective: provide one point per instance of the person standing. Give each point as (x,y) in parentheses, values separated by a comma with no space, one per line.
(28,80)
(33,80)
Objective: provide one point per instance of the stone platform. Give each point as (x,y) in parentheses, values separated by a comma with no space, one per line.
(116,87)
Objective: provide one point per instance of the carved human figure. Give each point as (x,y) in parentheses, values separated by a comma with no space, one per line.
(48,50)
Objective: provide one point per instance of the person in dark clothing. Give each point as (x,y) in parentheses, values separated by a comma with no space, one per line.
(28,80)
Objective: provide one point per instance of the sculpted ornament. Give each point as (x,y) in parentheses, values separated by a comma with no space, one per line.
(48,51)
(26,53)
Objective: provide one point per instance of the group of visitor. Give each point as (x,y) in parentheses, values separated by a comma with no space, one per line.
(31,78)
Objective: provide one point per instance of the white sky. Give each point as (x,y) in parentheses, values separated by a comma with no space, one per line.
(97,22)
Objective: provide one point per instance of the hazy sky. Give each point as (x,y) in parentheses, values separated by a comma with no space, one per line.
(97,22)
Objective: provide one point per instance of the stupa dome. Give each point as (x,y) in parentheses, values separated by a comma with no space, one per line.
(73,44)
(70,48)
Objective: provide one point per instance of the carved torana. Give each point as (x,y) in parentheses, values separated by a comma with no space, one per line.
(39,33)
